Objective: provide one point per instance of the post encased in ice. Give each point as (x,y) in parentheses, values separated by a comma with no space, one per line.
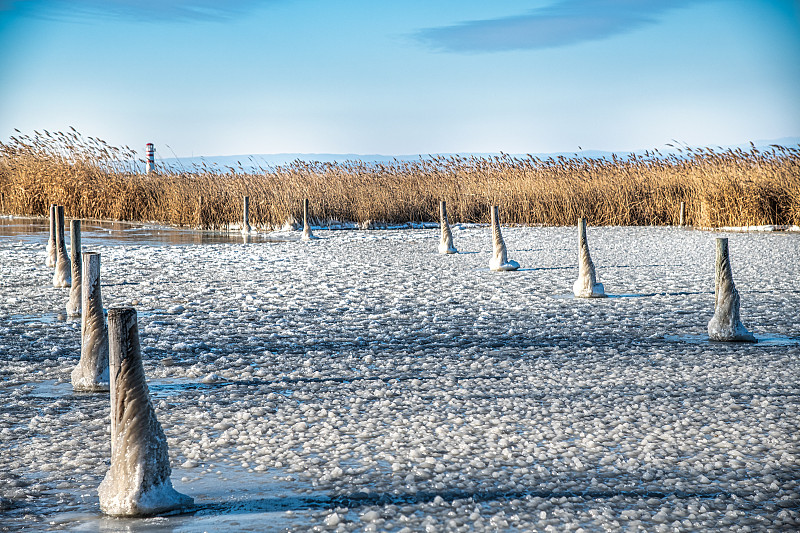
(446,240)
(307,235)
(586,286)
(726,324)
(138,481)
(61,277)
(91,373)
(75,293)
(499,260)
(51,241)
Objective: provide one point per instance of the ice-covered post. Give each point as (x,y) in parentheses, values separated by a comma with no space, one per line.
(586,286)
(91,373)
(446,240)
(683,214)
(307,235)
(726,325)
(499,260)
(51,241)
(75,292)
(151,158)
(138,481)
(246,215)
(61,277)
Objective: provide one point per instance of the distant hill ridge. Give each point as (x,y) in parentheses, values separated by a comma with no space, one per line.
(252,162)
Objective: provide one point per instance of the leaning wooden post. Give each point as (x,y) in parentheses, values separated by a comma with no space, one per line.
(51,241)
(586,286)
(726,325)
(138,481)
(75,292)
(683,214)
(61,277)
(499,260)
(446,239)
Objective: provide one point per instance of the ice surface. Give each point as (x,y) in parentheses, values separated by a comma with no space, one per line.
(356,387)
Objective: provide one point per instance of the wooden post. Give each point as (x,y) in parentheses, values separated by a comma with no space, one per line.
(91,373)
(138,481)
(499,260)
(307,235)
(75,293)
(246,220)
(586,286)
(446,239)
(51,241)
(123,337)
(62,276)
(726,325)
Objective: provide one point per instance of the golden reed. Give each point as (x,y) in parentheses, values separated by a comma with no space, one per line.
(94,180)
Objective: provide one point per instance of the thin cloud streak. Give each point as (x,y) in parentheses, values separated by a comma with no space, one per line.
(137,10)
(564,23)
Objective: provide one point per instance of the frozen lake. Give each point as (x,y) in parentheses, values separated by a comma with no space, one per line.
(365,382)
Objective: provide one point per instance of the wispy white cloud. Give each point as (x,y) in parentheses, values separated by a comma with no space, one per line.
(563,23)
(143,10)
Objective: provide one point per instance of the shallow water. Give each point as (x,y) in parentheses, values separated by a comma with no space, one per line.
(107,232)
(364,382)
(763,340)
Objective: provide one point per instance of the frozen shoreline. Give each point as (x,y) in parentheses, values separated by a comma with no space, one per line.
(366,376)
(234,229)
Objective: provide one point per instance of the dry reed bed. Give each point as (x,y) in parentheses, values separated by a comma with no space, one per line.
(95,180)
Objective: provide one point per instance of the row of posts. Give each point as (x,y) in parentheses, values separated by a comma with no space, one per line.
(246,213)
(111,361)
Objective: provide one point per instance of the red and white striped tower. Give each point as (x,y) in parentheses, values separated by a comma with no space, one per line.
(151,158)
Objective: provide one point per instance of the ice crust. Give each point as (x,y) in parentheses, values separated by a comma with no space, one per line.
(376,401)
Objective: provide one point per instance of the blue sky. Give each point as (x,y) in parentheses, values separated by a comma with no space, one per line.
(203,77)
